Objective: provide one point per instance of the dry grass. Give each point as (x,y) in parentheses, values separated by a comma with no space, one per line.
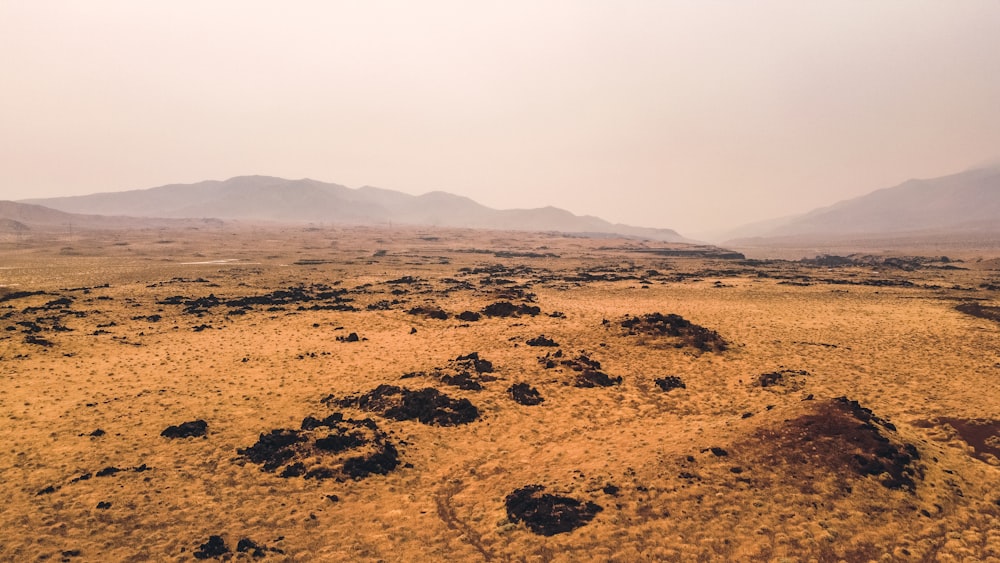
(247,330)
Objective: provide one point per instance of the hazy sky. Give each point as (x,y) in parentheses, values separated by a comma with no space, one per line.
(685,114)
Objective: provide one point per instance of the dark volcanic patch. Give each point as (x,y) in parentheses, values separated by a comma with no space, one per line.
(542,340)
(669,383)
(429,312)
(319,297)
(525,394)
(467,372)
(333,447)
(508,309)
(982,435)
(214,547)
(784,380)
(681,331)
(547,514)
(981,311)
(192,429)
(588,370)
(427,405)
(839,437)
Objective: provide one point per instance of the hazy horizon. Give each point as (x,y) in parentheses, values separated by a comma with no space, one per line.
(693,116)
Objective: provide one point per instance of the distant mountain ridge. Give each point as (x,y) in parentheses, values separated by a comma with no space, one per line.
(16,217)
(268,198)
(966,202)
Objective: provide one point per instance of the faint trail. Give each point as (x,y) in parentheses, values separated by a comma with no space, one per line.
(446,512)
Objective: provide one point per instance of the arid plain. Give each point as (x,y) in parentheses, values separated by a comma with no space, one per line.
(426,394)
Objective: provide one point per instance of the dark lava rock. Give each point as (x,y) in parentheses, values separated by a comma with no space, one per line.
(781,377)
(108,471)
(254,549)
(981,311)
(329,448)
(674,326)
(352,337)
(37,340)
(525,394)
(610,489)
(429,312)
(214,547)
(718,452)
(508,309)
(542,340)
(591,378)
(427,405)
(469,316)
(467,372)
(192,429)
(473,361)
(546,514)
(670,382)
(589,372)
(841,437)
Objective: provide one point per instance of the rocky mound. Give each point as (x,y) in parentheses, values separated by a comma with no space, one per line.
(588,370)
(525,394)
(682,331)
(840,438)
(333,447)
(508,309)
(192,429)
(467,372)
(546,514)
(427,405)
(669,383)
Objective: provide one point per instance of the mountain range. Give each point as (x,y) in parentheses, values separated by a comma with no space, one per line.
(964,203)
(962,206)
(266,198)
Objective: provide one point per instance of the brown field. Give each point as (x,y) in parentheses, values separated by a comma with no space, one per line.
(824,411)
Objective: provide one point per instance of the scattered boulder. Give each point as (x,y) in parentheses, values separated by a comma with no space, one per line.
(547,514)
(682,331)
(542,340)
(525,394)
(669,383)
(214,547)
(332,447)
(429,312)
(352,337)
(467,372)
(508,309)
(256,550)
(589,372)
(193,429)
(469,316)
(428,405)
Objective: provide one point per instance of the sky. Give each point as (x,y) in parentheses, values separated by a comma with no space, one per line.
(696,115)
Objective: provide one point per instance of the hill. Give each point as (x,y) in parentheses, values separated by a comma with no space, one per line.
(278,199)
(962,209)
(967,201)
(16,217)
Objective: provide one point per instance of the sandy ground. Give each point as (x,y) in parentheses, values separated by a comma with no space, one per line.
(105,344)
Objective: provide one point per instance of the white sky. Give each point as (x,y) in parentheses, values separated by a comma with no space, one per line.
(694,115)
